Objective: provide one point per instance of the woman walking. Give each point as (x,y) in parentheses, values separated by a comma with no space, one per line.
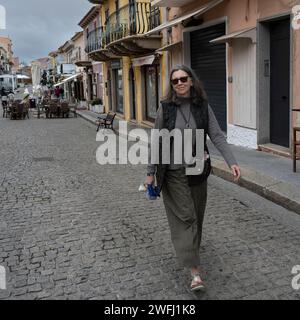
(186,107)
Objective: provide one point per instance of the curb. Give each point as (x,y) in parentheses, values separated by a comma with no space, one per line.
(277,191)
(85,117)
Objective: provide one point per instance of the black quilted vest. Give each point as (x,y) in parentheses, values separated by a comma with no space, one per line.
(200,114)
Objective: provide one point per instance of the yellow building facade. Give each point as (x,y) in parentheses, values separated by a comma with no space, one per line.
(133,70)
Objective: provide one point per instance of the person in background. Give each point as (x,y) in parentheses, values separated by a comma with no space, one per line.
(11,97)
(62,93)
(57,92)
(4,97)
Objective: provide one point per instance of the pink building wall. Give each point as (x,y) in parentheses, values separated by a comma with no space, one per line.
(244,14)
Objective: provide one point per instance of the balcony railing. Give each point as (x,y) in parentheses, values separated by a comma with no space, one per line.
(136,18)
(95,40)
(96,1)
(170,3)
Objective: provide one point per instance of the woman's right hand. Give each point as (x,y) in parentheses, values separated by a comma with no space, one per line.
(150,180)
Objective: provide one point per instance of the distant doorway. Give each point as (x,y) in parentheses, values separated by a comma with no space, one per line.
(209,62)
(132,94)
(151,91)
(280,83)
(118,86)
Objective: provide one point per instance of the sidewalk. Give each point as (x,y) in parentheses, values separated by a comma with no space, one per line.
(268,175)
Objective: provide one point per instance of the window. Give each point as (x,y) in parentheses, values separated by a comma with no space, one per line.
(117,12)
(106,16)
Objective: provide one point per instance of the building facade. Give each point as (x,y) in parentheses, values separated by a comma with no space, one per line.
(131,68)
(16,65)
(5,66)
(93,78)
(78,55)
(246,53)
(6,55)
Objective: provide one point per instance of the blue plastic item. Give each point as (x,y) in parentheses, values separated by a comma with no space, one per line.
(152,192)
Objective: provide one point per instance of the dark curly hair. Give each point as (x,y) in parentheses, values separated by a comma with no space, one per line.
(198,93)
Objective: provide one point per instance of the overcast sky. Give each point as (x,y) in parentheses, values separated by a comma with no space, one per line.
(38,27)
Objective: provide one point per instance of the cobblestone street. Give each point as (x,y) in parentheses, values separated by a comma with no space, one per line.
(72,229)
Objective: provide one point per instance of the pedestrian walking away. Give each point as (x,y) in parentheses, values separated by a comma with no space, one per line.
(4,97)
(186,107)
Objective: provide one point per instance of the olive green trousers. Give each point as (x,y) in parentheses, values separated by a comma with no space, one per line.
(185,208)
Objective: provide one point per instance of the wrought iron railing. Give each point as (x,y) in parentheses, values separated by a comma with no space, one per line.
(136,18)
(95,40)
(96,1)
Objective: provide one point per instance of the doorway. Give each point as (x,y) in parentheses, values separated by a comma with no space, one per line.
(118,90)
(209,62)
(151,91)
(280,83)
(132,94)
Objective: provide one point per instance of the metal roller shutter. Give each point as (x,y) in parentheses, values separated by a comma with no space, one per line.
(209,62)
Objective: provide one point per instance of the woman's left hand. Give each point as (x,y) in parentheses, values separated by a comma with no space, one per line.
(236,171)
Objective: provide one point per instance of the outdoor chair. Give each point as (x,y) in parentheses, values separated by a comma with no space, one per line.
(106,122)
(64,109)
(53,110)
(17,111)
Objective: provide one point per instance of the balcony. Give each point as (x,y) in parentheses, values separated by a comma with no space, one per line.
(125,29)
(96,1)
(96,43)
(170,3)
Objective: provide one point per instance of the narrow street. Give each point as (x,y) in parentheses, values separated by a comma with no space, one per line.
(71,229)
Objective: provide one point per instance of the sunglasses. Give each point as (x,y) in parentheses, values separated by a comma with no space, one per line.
(182,80)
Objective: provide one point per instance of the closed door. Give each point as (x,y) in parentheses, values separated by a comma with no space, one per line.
(244,84)
(209,62)
(280,83)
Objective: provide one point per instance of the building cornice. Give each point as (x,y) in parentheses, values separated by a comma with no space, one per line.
(77,35)
(90,16)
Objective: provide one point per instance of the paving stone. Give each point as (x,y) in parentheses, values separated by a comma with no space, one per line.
(72,229)
(35,288)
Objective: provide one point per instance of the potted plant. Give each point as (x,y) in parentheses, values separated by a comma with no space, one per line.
(97,105)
